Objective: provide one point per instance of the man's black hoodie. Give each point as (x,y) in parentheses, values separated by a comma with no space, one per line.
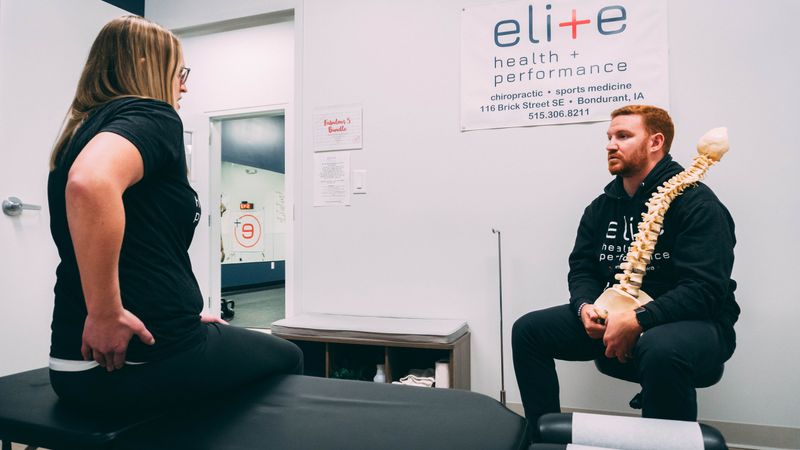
(689,276)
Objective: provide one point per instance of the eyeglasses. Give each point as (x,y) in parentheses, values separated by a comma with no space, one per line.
(184,74)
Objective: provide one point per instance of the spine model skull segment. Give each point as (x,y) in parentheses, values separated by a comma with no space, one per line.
(627,293)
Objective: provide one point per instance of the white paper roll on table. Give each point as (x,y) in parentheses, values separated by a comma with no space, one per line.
(635,433)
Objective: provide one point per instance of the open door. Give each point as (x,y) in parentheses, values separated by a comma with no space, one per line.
(254,224)
(43,46)
(249,177)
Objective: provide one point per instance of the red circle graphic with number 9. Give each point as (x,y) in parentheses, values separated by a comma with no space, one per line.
(248,233)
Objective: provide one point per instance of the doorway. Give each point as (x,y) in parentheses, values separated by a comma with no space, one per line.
(252,232)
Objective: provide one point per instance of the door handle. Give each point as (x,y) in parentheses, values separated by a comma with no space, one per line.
(14,206)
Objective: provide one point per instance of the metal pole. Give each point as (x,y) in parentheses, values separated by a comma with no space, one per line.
(500,278)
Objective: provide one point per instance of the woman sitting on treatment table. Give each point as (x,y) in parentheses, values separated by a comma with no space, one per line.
(127,328)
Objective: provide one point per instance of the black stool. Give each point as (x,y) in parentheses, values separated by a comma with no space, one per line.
(627,372)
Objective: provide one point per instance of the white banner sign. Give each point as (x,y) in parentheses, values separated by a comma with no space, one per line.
(546,62)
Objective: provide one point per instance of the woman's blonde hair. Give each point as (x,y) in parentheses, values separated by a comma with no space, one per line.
(131,57)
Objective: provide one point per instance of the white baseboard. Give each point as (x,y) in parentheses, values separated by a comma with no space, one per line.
(741,435)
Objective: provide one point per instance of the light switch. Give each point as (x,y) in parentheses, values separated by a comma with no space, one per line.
(359,182)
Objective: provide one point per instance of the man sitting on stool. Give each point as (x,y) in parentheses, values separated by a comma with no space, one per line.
(687,330)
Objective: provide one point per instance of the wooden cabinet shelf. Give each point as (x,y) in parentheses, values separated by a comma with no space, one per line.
(357,358)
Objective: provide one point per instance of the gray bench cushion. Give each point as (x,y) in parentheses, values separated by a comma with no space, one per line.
(441,331)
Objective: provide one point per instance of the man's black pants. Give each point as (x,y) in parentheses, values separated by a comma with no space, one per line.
(667,358)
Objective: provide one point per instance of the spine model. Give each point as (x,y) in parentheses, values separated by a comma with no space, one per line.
(627,294)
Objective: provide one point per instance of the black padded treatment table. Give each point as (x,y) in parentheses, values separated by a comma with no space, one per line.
(31,414)
(284,412)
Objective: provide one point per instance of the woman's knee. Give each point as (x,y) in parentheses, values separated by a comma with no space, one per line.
(265,353)
(282,356)
(294,359)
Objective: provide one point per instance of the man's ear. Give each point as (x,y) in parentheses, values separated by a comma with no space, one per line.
(656,142)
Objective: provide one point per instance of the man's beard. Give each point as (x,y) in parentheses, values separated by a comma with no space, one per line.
(635,164)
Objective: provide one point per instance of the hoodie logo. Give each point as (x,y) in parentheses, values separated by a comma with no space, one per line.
(628,235)
(611,233)
(627,232)
(617,252)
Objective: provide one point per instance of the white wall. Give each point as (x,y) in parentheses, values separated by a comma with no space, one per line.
(232,70)
(419,243)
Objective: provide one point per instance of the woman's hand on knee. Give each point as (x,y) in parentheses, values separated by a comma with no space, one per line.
(106,337)
(208,318)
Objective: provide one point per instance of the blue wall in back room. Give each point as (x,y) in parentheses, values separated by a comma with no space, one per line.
(132,6)
(252,275)
(255,142)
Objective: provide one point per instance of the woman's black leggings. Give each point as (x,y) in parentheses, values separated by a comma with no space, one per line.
(229,357)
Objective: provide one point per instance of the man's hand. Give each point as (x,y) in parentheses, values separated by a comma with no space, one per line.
(106,337)
(622,332)
(590,318)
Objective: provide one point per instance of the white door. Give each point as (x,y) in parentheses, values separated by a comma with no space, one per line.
(43,46)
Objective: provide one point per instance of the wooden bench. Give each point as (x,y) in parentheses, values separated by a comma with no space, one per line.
(331,341)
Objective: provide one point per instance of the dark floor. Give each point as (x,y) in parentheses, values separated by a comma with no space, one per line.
(258,309)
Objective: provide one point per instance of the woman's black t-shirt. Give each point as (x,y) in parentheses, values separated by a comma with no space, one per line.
(161,213)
